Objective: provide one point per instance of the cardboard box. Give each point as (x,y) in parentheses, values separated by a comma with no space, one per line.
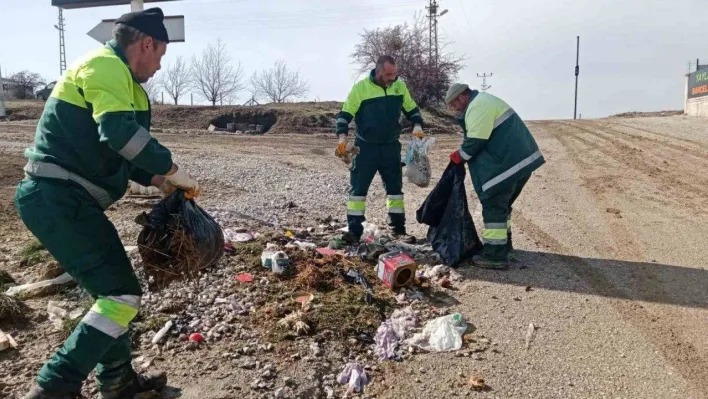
(396,269)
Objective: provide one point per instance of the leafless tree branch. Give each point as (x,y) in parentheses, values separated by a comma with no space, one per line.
(279,84)
(213,76)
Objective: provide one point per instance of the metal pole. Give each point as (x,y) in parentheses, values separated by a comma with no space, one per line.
(163,96)
(136,5)
(577,72)
(2,97)
(191,99)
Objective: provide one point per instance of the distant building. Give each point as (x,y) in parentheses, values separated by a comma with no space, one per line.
(10,88)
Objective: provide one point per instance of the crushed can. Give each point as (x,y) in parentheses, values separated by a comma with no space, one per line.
(280,263)
(396,269)
(267,259)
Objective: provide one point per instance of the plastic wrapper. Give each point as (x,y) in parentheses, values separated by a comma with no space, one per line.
(441,334)
(452,233)
(417,160)
(178,238)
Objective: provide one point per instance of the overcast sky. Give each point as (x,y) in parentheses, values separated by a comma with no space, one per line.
(633,53)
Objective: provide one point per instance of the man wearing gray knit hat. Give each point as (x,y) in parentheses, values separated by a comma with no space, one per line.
(501,154)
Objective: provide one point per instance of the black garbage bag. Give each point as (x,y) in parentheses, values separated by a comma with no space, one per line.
(178,238)
(452,232)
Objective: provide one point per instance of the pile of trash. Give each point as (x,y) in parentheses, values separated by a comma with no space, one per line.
(178,239)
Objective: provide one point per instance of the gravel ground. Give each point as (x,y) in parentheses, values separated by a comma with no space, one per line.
(612,244)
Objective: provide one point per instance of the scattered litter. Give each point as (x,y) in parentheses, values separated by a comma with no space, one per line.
(441,334)
(392,331)
(231,235)
(303,297)
(58,314)
(477,384)
(396,269)
(337,243)
(289,234)
(6,341)
(353,276)
(130,248)
(328,251)
(196,337)
(530,332)
(244,277)
(280,263)
(355,376)
(417,160)
(295,321)
(161,333)
(371,232)
(405,296)
(35,288)
(305,245)
(178,238)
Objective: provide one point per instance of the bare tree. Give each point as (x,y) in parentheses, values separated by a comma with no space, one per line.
(279,84)
(152,89)
(24,83)
(175,80)
(426,78)
(214,77)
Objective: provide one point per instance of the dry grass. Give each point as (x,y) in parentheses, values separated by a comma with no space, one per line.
(12,309)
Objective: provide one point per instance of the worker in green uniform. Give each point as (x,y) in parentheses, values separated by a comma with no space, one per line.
(93,136)
(375,104)
(501,154)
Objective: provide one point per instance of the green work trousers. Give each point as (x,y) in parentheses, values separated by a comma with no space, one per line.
(386,160)
(496,211)
(74,229)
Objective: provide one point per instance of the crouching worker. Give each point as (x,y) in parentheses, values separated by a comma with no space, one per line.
(501,154)
(93,136)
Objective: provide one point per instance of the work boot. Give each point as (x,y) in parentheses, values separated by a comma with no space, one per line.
(350,238)
(484,263)
(404,238)
(38,393)
(139,384)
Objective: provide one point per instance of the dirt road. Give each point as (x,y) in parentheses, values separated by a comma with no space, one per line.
(612,238)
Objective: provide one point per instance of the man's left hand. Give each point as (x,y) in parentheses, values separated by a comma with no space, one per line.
(418,132)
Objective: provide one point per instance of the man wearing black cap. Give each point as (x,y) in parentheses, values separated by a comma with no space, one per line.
(91,139)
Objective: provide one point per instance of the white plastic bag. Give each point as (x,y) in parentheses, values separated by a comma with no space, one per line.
(417,160)
(441,334)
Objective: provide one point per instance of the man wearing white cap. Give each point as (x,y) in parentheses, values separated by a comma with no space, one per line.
(501,154)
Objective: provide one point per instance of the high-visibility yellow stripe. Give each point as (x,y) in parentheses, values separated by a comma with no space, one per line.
(395,203)
(356,205)
(117,312)
(494,234)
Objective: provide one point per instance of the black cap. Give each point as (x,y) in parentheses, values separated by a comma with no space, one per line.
(149,22)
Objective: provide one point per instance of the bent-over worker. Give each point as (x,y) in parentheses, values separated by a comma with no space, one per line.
(93,136)
(501,154)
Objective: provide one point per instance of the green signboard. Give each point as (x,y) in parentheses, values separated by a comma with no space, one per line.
(698,83)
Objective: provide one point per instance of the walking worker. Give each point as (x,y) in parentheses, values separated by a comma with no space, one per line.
(92,138)
(501,154)
(375,104)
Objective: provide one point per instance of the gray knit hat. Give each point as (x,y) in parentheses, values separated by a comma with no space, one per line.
(455,90)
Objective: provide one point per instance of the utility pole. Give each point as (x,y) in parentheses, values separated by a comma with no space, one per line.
(577,72)
(484,86)
(433,54)
(2,97)
(62,48)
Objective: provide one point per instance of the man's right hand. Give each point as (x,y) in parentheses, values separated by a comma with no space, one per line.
(178,178)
